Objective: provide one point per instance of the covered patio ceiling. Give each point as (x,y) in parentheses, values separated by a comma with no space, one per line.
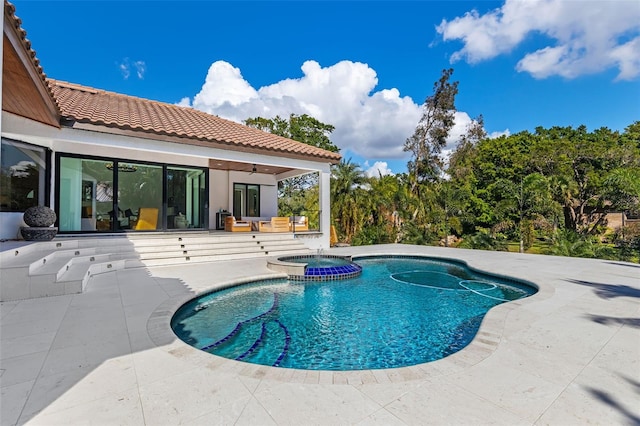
(247,167)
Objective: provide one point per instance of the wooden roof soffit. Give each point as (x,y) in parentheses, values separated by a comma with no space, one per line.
(25,91)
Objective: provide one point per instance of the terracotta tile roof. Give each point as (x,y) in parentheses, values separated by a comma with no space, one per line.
(88,105)
(10,14)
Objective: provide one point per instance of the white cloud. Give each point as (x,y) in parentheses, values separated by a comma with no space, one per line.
(141,68)
(379,168)
(496,135)
(124,69)
(126,65)
(372,124)
(584,37)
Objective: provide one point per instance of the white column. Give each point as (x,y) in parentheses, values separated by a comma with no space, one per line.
(325,206)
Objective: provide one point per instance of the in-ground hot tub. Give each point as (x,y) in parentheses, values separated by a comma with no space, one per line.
(320,267)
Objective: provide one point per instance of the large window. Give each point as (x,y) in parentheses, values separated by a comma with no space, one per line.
(113,195)
(23,176)
(246,200)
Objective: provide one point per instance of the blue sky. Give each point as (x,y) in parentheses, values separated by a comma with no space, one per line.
(364,67)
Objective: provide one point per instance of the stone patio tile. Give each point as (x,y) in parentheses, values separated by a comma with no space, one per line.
(292,403)
(154,365)
(580,405)
(122,408)
(513,389)
(621,354)
(140,341)
(70,358)
(540,362)
(23,368)
(51,309)
(611,382)
(439,404)
(250,383)
(182,398)
(140,291)
(7,307)
(387,393)
(382,417)
(13,399)
(57,392)
(28,328)
(246,411)
(92,331)
(25,345)
(254,414)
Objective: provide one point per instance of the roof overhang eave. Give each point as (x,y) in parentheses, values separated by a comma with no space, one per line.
(331,158)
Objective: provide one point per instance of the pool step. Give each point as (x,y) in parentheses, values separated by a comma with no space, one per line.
(270,335)
(65,265)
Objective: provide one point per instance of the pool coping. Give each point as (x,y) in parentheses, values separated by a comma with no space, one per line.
(483,345)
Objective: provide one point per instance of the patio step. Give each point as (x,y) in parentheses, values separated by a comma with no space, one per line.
(66,264)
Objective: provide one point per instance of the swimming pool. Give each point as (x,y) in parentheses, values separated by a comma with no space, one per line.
(400,311)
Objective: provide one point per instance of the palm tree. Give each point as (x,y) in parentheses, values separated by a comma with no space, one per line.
(524,205)
(346,191)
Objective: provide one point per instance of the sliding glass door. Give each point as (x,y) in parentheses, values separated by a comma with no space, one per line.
(86,195)
(139,197)
(108,196)
(185,198)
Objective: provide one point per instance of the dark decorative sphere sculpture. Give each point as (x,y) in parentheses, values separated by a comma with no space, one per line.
(39,216)
(39,219)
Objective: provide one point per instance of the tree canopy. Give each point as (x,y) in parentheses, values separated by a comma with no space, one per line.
(552,189)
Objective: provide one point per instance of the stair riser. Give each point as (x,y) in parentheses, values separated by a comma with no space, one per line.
(218,251)
(66,267)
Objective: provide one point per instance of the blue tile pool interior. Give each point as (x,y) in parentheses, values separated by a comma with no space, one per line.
(324,267)
(400,311)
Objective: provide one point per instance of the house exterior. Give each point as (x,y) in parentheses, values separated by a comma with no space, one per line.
(102,159)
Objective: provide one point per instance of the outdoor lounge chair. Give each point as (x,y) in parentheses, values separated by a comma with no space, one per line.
(233,225)
(276,224)
(147,219)
(299,223)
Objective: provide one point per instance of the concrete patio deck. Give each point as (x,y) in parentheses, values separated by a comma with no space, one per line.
(568,355)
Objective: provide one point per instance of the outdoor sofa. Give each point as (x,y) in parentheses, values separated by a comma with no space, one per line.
(233,225)
(275,224)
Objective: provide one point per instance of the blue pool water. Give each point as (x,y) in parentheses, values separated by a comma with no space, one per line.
(399,312)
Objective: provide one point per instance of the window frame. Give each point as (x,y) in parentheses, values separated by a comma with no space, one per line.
(44,175)
(245,206)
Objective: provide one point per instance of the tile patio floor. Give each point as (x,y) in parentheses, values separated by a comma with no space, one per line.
(568,355)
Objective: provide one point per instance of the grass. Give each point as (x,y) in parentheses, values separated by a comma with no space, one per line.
(538,247)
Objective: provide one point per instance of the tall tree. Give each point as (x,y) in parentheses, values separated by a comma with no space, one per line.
(302,128)
(298,195)
(430,135)
(461,160)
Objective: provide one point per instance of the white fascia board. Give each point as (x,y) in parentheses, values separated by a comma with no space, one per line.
(26,130)
(80,141)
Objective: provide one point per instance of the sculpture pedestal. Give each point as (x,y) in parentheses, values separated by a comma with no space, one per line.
(35,233)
